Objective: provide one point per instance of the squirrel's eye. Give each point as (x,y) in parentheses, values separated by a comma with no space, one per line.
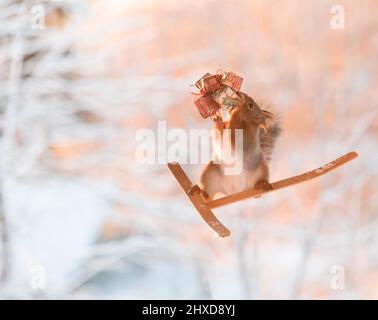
(251,106)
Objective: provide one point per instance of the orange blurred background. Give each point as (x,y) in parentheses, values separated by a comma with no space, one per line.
(100,225)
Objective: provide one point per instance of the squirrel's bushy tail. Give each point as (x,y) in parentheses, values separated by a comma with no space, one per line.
(269,137)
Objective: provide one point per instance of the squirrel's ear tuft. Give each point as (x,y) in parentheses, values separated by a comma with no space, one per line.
(269,115)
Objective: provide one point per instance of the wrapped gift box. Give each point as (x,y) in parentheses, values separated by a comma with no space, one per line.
(232,80)
(217,91)
(209,83)
(198,84)
(206,105)
(226,97)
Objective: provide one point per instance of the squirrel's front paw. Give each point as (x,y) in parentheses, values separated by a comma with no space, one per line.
(218,121)
(263,185)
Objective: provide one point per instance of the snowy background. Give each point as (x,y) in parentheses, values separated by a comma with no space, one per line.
(80,219)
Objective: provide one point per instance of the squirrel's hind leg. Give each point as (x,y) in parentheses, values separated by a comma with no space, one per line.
(211,181)
(263,181)
(263,185)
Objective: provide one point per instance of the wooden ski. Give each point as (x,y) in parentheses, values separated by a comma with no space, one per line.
(203,207)
(285,182)
(197,200)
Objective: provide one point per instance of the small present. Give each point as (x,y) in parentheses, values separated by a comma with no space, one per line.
(209,83)
(198,84)
(217,91)
(226,97)
(206,105)
(232,80)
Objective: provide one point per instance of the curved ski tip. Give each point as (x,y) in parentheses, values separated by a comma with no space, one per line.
(350,155)
(354,153)
(223,234)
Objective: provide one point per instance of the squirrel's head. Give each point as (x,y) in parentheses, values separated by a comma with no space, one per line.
(250,112)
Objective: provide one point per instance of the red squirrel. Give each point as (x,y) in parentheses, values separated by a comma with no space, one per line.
(260,130)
